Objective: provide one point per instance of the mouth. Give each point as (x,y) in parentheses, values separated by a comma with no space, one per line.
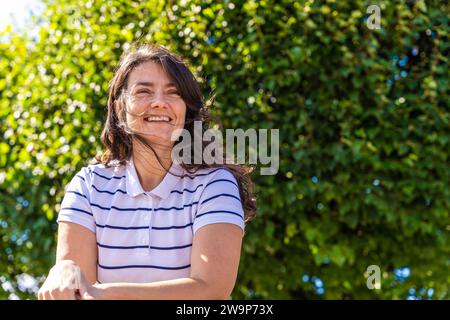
(157,119)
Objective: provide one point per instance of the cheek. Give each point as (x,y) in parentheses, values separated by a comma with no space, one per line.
(181,115)
(135,109)
(132,112)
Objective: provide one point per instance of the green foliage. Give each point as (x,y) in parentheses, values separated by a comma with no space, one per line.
(364,135)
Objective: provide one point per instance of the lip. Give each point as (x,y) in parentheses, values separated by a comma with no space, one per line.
(157,116)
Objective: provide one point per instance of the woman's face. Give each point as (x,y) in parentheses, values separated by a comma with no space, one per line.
(152,94)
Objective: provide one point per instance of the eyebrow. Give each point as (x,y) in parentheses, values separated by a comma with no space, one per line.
(152,84)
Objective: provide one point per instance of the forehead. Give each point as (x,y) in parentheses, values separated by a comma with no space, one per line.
(149,72)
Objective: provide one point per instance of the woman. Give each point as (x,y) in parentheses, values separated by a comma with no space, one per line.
(137,225)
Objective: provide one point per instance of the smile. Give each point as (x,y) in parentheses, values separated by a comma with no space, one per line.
(157,119)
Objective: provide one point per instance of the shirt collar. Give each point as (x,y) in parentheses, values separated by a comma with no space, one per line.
(133,186)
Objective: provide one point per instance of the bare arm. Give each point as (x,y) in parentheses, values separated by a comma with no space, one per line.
(215,258)
(76,260)
(78,244)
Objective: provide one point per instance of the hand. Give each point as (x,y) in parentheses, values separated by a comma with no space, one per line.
(88,291)
(62,282)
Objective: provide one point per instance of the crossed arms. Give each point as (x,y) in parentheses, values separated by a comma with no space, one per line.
(215,259)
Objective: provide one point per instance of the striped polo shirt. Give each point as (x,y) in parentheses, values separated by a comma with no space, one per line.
(147,236)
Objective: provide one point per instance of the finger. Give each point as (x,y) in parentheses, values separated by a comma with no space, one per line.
(42,290)
(63,294)
(45,295)
(69,294)
(87,296)
(51,295)
(84,291)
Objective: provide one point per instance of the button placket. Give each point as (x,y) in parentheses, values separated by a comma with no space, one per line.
(150,225)
(144,239)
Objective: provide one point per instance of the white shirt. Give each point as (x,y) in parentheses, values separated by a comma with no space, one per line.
(147,236)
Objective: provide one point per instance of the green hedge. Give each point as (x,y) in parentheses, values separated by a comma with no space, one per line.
(363,117)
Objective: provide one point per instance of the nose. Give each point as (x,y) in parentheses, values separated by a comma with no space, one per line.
(159,101)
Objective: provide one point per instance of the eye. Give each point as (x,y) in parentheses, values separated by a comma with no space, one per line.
(174,92)
(143,92)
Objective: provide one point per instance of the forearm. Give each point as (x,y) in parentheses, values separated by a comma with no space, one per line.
(176,289)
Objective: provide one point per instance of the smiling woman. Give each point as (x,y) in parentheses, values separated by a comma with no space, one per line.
(138,225)
(149,85)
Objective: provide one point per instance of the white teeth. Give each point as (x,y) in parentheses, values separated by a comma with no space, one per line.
(157,118)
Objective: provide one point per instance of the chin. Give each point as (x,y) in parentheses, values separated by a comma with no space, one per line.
(159,141)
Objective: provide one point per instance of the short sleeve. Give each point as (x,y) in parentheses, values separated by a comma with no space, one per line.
(75,206)
(219,202)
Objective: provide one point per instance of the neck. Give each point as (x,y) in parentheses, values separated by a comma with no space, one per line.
(148,168)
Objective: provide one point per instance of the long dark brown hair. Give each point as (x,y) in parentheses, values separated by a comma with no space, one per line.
(119,142)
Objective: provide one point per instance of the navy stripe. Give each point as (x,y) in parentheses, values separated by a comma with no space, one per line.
(77,193)
(120,228)
(121,247)
(219,211)
(76,209)
(155,209)
(82,178)
(113,177)
(143,247)
(186,175)
(186,205)
(172,248)
(173,227)
(143,209)
(173,191)
(143,227)
(144,266)
(218,180)
(221,195)
(120,209)
(109,192)
(201,174)
(191,191)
